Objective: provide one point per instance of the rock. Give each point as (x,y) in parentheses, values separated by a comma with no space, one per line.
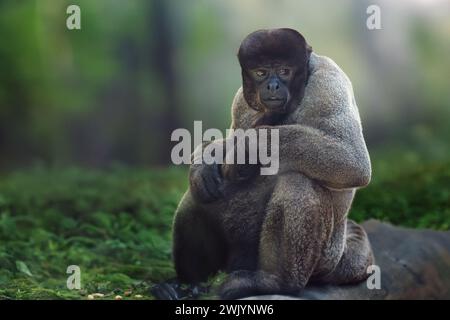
(414,264)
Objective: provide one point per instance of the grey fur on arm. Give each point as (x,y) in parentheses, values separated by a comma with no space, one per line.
(336,163)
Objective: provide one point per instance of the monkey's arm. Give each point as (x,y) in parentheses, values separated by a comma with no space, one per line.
(334,161)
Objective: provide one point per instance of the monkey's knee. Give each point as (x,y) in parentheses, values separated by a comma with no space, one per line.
(295,190)
(302,204)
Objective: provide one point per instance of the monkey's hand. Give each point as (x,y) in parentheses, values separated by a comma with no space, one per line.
(239,172)
(236,172)
(206,182)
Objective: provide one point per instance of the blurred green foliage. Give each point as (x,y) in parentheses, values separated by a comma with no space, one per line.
(114,90)
(417,197)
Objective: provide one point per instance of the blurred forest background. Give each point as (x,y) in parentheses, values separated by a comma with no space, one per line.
(114,90)
(86,117)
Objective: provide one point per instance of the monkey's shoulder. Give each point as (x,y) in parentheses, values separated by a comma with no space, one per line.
(328,92)
(325,69)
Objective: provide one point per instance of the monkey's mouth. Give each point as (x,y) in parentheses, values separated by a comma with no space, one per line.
(274,103)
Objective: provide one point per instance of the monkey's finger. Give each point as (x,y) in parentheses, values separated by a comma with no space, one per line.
(229,172)
(207,188)
(218,180)
(214,186)
(218,173)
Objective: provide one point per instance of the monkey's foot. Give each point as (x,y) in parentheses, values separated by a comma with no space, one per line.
(172,290)
(244,283)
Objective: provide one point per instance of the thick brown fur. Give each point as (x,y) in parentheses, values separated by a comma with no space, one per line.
(274,234)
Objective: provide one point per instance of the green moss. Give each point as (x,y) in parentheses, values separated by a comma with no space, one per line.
(417,197)
(116,224)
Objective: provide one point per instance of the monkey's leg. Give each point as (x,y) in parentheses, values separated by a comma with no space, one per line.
(357,257)
(198,247)
(241,214)
(243,257)
(295,230)
(297,227)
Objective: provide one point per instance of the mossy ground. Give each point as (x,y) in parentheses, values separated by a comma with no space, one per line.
(116,224)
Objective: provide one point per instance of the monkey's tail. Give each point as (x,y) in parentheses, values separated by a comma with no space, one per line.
(245,283)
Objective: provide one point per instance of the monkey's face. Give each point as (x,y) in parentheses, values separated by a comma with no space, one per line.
(274,69)
(272,83)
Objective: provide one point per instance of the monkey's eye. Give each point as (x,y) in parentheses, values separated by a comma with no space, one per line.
(261,73)
(284,72)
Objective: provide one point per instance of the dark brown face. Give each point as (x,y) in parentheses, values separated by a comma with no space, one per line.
(274,69)
(272,83)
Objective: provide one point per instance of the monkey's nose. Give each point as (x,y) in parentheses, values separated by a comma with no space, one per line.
(273,85)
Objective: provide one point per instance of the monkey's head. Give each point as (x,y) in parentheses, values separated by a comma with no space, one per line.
(274,67)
